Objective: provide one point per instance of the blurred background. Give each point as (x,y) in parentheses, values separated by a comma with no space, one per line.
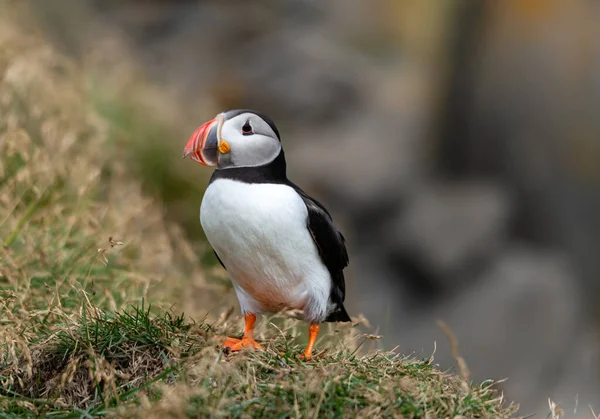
(456,143)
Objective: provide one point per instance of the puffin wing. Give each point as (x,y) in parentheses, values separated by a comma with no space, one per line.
(330,243)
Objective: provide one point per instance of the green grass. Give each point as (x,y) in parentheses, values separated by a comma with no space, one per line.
(94,278)
(126,362)
(100,363)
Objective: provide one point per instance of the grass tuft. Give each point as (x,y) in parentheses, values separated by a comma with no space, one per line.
(103,358)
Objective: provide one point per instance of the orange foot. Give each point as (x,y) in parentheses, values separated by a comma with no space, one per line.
(304,357)
(313,332)
(235,345)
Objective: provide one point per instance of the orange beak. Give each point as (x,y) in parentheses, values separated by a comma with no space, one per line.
(203,145)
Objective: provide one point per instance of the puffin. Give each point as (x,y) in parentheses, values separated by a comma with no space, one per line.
(278,245)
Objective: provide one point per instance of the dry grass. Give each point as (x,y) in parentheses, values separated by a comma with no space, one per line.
(135,364)
(83,249)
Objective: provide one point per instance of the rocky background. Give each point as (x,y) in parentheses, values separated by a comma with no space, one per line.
(457,143)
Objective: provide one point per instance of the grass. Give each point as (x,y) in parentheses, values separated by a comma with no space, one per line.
(94,279)
(93,365)
(133,363)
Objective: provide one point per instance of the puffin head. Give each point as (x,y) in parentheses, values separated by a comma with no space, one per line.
(236,138)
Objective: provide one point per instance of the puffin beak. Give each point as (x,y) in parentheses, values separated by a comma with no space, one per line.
(203,145)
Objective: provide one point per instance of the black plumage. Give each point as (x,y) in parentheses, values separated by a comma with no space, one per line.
(332,249)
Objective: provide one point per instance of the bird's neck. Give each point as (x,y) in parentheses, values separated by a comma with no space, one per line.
(272,172)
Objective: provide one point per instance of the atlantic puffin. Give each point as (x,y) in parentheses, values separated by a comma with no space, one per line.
(278,245)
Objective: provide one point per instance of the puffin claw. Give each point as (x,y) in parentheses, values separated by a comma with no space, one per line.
(236,345)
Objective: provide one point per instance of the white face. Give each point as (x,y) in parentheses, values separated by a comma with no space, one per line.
(251,141)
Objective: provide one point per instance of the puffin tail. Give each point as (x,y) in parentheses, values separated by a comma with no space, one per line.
(339,315)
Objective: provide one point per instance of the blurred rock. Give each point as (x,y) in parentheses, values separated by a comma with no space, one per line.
(371,161)
(305,84)
(377,291)
(527,119)
(451,228)
(518,322)
(269,55)
(579,387)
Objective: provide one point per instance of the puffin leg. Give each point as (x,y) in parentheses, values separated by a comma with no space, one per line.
(313,332)
(247,341)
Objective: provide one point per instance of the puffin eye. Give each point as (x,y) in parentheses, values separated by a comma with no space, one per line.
(247,129)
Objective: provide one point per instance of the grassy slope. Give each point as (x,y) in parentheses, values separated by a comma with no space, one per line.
(84,252)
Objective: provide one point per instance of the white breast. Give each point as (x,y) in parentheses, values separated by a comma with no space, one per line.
(260,233)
